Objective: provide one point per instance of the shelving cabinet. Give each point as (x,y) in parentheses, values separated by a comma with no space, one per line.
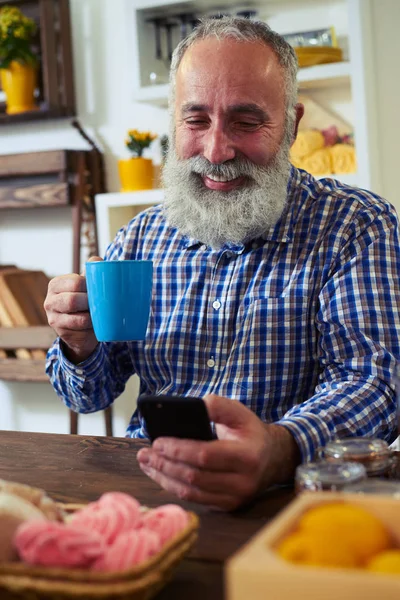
(114,210)
(349,88)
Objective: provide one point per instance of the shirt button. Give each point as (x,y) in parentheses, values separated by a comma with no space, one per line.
(216,304)
(79,372)
(203,247)
(211,362)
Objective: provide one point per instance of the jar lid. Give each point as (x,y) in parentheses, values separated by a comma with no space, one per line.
(373,453)
(328,475)
(358,448)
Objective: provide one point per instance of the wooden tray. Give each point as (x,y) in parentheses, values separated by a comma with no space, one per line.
(256,572)
(23,582)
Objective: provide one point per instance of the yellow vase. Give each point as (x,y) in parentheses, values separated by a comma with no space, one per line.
(135,174)
(19,84)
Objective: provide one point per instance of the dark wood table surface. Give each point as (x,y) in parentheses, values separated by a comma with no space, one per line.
(74,468)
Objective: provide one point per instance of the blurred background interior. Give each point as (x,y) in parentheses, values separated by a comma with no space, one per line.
(84,129)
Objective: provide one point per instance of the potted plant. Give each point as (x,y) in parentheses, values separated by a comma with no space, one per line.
(136,173)
(18,61)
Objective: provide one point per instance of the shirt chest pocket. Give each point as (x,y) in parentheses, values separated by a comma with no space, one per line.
(275,329)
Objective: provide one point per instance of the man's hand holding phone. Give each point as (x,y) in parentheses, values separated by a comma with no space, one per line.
(226,472)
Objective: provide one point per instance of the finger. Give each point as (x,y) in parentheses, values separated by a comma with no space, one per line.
(209,481)
(218,455)
(227,412)
(95,259)
(191,493)
(92,259)
(67,283)
(70,322)
(69,302)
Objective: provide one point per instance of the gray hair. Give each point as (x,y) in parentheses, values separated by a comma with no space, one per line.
(243,30)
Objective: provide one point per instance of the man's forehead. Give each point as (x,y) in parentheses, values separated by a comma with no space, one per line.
(208,52)
(228,62)
(230,71)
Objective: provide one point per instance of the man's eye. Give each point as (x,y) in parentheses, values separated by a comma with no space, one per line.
(196,122)
(246,125)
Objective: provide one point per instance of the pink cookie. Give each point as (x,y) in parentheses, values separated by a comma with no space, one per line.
(52,544)
(166,520)
(110,516)
(111,498)
(129,549)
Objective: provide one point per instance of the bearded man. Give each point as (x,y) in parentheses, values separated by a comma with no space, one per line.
(276,296)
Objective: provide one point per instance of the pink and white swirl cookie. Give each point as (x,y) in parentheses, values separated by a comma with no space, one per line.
(52,544)
(111,515)
(129,549)
(14,511)
(166,521)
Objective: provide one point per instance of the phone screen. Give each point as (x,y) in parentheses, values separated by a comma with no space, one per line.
(175,416)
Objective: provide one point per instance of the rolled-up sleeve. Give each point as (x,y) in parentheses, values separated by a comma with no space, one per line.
(358,344)
(94,384)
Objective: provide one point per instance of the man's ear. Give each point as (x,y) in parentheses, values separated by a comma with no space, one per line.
(299,108)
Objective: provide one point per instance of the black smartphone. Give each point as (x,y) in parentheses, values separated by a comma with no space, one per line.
(175,416)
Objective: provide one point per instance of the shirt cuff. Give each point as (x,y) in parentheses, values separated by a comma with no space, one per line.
(86,370)
(309,431)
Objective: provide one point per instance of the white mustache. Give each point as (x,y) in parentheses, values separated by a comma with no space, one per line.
(233,169)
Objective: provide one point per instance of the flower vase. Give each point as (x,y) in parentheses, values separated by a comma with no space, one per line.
(19,84)
(136,174)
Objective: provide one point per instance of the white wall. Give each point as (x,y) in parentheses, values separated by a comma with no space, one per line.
(43,238)
(386,20)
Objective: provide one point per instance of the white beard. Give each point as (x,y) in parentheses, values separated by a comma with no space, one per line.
(214,217)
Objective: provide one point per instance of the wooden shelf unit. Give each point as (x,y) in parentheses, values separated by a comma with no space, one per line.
(56,92)
(47,179)
(12,369)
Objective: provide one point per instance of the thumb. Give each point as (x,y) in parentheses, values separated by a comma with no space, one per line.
(224,411)
(91,259)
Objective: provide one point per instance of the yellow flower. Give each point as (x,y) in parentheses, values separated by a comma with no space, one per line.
(12,17)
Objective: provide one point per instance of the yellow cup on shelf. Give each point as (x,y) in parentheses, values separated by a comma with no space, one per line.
(19,84)
(136,174)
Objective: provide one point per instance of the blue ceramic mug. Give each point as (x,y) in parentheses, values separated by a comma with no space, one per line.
(119,295)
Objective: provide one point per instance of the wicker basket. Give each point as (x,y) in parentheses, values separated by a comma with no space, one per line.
(20,581)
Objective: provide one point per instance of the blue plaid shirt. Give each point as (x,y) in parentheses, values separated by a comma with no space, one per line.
(301,325)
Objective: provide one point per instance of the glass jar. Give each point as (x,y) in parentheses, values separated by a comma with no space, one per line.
(397,388)
(374,454)
(374,486)
(324,475)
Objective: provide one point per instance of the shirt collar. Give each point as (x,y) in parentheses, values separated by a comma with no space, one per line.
(189,242)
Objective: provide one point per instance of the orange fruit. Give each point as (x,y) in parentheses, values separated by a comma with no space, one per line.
(315,550)
(351,525)
(385,562)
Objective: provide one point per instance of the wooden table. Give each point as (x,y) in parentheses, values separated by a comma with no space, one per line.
(73,468)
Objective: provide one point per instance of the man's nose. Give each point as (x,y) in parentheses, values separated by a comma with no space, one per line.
(218,147)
